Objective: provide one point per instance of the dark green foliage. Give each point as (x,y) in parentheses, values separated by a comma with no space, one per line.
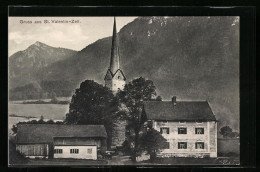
(158,98)
(226,131)
(14,156)
(132,97)
(126,148)
(93,104)
(151,141)
(28,91)
(45,89)
(14,129)
(40,121)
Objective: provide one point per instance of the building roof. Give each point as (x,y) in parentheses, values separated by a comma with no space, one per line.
(181,111)
(44,133)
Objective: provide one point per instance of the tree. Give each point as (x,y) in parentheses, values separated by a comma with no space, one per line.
(152,141)
(225,131)
(93,104)
(132,97)
(14,129)
(41,121)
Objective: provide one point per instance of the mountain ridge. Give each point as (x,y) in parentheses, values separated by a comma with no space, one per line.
(188,57)
(23,64)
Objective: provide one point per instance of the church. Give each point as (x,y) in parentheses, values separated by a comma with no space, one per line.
(115,80)
(190,128)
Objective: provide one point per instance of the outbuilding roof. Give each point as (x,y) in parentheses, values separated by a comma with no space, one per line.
(44,133)
(180,111)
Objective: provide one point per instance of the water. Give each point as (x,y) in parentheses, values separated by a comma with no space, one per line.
(48,111)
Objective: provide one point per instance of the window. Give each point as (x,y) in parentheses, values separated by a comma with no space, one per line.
(199,130)
(58,151)
(118,77)
(89,151)
(199,145)
(182,145)
(74,151)
(164,130)
(166,145)
(182,130)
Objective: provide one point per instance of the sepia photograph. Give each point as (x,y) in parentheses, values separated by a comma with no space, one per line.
(118,90)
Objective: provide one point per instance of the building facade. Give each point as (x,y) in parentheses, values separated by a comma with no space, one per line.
(60,141)
(190,128)
(115,80)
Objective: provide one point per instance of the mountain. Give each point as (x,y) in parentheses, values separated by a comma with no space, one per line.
(24,64)
(193,58)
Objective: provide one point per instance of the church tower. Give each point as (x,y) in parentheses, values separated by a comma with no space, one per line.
(115,78)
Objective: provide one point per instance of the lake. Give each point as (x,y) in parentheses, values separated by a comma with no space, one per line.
(55,112)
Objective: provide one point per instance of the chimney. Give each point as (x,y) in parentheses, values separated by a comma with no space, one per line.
(174,100)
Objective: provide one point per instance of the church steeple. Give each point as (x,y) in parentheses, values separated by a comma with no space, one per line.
(115,78)
(114,59)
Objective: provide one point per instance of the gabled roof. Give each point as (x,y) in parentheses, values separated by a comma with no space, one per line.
(109,75)
(181,111)
(44,133)
(118,70)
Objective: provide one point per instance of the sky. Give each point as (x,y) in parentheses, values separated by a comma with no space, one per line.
(25,31)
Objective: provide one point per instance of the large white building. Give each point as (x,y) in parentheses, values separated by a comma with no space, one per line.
(190,127)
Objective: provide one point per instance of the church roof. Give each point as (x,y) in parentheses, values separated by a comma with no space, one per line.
(118,70)
(114,60)
(110,76)
(44,133)
(181,111)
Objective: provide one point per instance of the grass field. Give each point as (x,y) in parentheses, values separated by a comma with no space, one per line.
(48,111)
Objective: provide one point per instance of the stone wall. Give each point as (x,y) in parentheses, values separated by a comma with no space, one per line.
(118,135)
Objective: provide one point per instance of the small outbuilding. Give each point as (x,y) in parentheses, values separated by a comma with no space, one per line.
(60,141)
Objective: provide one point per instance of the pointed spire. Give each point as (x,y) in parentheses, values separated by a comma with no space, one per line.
(114,60)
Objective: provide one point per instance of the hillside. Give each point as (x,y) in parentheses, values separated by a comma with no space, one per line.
(194,58)
(24,64)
